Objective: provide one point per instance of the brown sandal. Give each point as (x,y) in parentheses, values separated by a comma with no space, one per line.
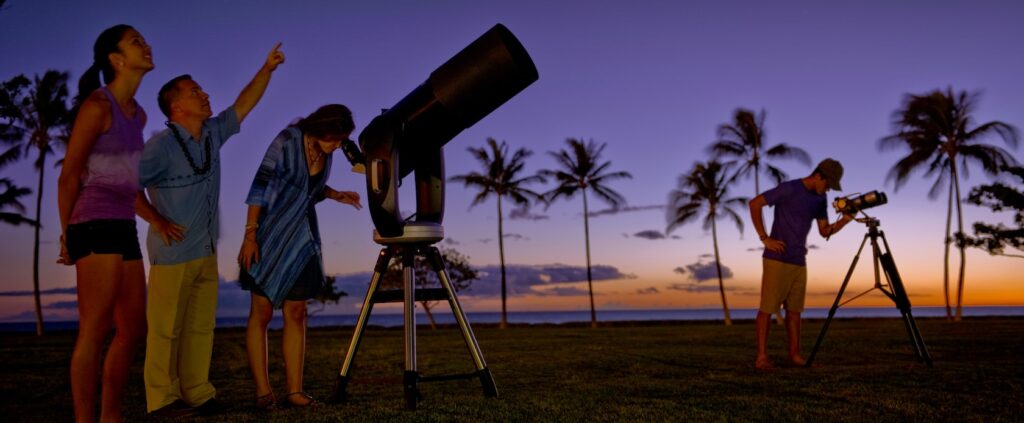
(312,403)
(267,403)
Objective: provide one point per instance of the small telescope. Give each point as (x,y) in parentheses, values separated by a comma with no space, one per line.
(854,203)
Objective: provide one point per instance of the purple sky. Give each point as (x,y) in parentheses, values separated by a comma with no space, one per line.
(652,79)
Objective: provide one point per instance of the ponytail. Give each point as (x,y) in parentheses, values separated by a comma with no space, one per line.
(106,43)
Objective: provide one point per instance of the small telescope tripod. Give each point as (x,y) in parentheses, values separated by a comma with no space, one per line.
(894,290)
(418,239)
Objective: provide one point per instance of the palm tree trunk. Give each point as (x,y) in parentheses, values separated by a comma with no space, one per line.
(962,246)
(430,316)
(501,257)
(586,238)
(718,266)
(35,253)
(945,267)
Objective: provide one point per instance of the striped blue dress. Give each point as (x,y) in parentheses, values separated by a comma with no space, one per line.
(287,238)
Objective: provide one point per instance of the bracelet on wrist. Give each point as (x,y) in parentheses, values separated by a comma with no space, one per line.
(251,226)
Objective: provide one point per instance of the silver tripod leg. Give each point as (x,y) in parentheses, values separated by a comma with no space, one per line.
(409,285)
(486,380)
(341,384)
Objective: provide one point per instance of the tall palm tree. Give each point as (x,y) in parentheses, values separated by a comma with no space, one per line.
(706,187)
(37,113)
(501,177)
(940,135)
(580,168)
(743,139)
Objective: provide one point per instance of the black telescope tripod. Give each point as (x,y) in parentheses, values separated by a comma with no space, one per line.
(894,290)
(418,239)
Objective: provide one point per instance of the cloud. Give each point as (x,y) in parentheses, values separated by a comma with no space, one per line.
(647,291)
(649,234)
(67,290)
(516,237)
(62,305)
(563,291)
(680,270)
(523,213)
(626,209)
(450,241)
(813,247)
(698,288)
(701,271)
(529,280)
(704,256)
(755,249)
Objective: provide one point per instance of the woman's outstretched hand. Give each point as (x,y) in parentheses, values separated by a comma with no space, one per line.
(346,197)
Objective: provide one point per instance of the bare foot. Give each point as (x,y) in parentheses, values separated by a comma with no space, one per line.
(764,364)
(797,360)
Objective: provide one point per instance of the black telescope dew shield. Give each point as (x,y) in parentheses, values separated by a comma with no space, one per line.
(854,203)
(408,137)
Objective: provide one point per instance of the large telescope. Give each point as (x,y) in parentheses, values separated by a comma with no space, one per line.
(408,137)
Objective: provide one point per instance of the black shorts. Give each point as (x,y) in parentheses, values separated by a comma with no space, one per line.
(103,237)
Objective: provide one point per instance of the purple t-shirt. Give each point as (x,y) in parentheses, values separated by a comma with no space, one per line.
(111,175)
(796,207)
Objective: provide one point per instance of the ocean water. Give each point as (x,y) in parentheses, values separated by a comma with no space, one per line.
(443,316)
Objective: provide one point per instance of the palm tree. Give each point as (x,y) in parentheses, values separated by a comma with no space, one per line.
(744,140)
(501,177)
(581,168)
(36,112)
(938,130)
(706,186)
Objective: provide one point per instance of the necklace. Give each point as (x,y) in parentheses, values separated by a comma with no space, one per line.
(184,149)
(309,152)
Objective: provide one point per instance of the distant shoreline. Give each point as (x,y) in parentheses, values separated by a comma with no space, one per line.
(605,317)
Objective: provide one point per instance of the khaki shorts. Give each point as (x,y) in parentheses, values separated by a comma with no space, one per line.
(782,283)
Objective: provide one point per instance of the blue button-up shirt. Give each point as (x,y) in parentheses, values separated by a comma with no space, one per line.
(180,194)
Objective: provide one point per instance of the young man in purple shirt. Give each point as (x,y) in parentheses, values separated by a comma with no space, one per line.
(180,169)
(797,203)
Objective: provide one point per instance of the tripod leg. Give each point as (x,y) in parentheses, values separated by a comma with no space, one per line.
(340,393)
(835,305)
(902,300)
(486,380)
(409,285)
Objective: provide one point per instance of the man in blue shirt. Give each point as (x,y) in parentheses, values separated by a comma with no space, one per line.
(797,203)
(180,169)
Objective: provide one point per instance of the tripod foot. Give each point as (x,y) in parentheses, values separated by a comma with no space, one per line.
(487,381)
(340,392)
(412,394)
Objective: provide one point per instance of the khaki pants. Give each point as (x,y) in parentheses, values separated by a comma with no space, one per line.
(181,312)
(782,284)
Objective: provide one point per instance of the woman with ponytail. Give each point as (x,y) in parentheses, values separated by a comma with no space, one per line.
(96,195)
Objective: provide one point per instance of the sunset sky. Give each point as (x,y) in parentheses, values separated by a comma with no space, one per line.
(652,79)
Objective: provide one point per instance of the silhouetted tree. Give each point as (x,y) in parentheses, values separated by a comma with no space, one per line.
(328,294)
(9,200)
(502,178)
(460,274)
(940,135)
(743,140)
(36,113)
(999,197)
(580,168)
(705,187)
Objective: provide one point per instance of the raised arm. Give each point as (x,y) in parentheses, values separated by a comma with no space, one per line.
(252,92)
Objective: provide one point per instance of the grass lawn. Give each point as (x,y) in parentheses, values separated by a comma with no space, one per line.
(618,372)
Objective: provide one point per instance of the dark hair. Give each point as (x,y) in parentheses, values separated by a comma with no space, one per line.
(332,120)
(169,92)
(106,43)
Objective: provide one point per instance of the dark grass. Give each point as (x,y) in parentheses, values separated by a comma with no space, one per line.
(618,372)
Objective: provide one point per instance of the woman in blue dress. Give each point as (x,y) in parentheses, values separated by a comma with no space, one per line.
(280,257)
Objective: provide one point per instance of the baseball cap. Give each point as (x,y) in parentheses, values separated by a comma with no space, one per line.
(832,171)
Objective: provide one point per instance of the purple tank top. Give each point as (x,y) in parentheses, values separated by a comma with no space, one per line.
(111,176)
